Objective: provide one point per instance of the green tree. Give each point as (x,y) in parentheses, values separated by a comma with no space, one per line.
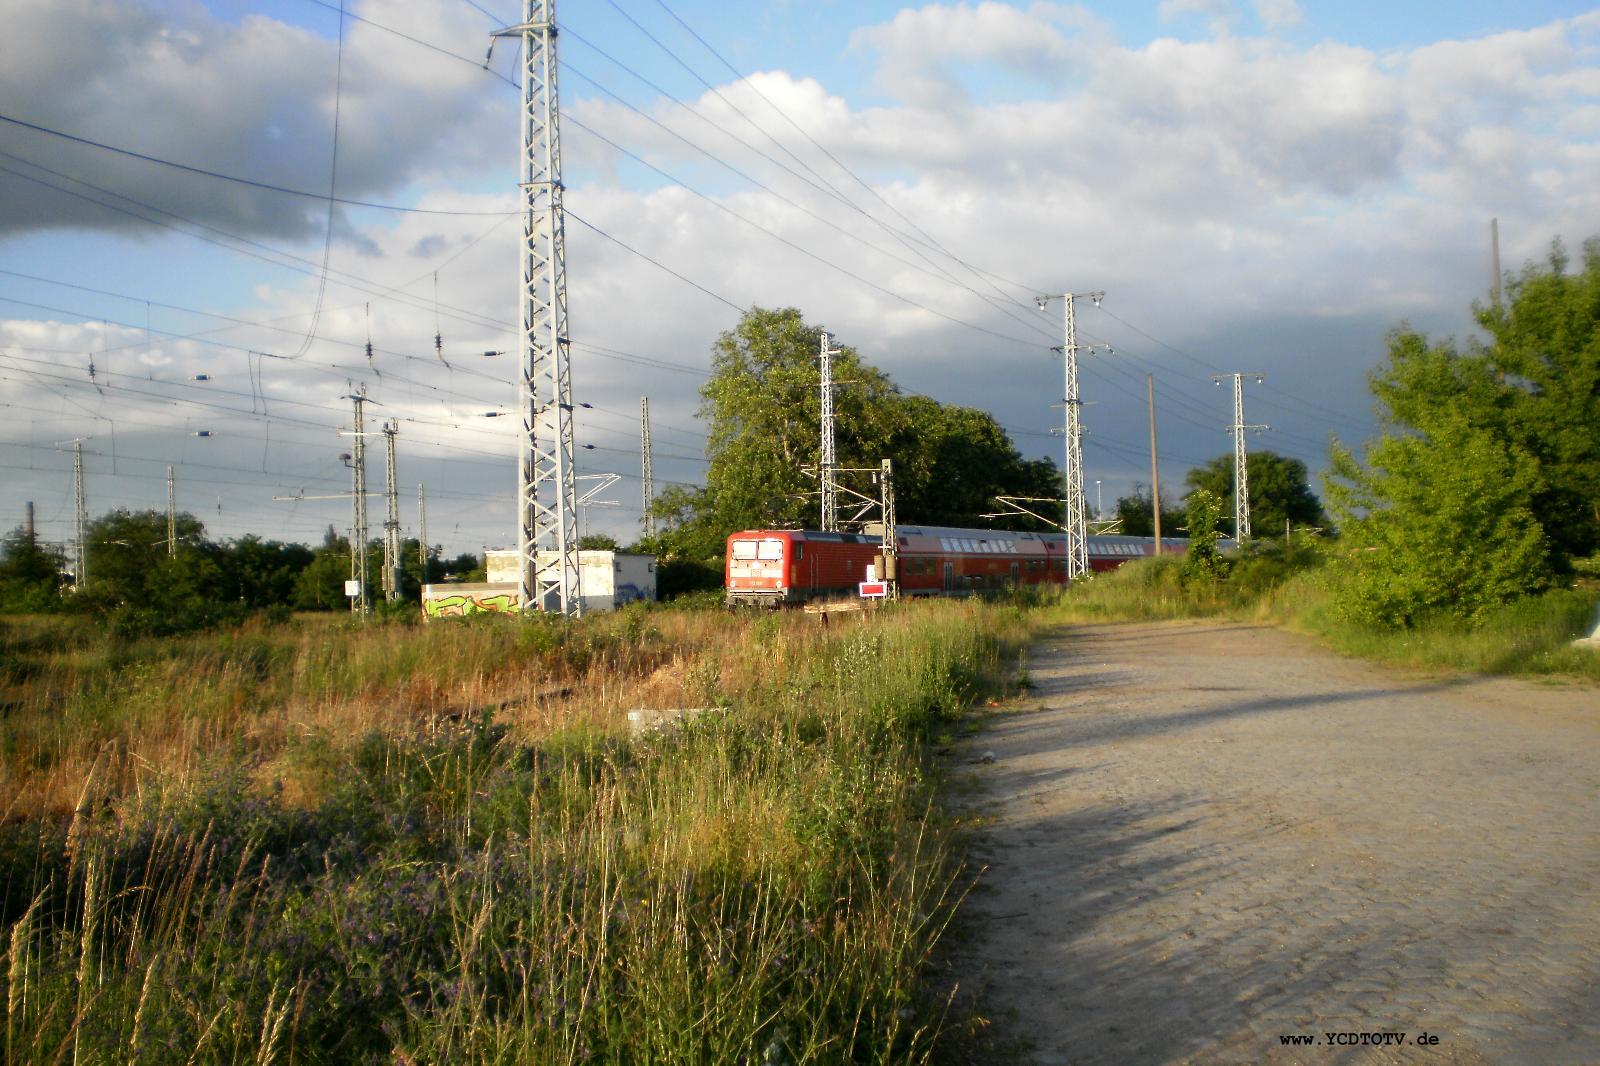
(128,555)
(30,574)
(320,585)
(763,408)
(1546,351)
(950,462)
(467,567)
(1203,561)
(1535,387)
(1280,490)
(260,573)
(1439,522)
(601,542)
(1138,516)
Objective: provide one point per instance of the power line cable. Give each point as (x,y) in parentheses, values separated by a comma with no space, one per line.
(310,266)
(986,274)
(268,186)
(933,269)
(333,189)
(821,259)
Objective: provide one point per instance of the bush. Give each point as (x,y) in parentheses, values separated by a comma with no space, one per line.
(1203,561)
(1440,525)
(676,577)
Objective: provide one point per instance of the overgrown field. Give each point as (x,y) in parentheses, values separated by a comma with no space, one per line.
(1298,588)
(315,843)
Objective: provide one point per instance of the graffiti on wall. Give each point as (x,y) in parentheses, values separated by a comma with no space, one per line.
(458,604)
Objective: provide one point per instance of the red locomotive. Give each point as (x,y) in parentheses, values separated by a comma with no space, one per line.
(778,566)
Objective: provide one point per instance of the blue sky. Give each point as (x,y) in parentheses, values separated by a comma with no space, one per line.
(1258,185)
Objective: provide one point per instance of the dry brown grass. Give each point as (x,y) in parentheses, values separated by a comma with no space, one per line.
(168,706)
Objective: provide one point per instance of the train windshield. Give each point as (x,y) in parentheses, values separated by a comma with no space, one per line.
(758,549)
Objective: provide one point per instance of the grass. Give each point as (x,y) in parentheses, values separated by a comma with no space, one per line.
(1532,636)
(356,866)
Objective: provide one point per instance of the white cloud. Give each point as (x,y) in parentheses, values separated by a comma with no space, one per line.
(1279,14)
(1219,14)
(1266,203)
(254,99)
(923,49)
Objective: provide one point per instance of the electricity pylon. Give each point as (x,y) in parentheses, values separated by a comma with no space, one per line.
(391,524)
(1241,468)
(827,472)
(359,603)
(546,492)
(81,577)
(1075,519)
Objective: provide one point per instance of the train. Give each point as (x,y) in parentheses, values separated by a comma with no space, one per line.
(774,567)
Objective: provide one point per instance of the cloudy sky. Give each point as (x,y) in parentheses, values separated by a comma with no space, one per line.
(1266,187)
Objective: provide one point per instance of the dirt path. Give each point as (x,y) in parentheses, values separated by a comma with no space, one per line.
(1210,836)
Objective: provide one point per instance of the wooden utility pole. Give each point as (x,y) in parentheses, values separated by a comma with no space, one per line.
(1155,469)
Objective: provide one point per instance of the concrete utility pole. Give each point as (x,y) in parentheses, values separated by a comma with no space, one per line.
(172,514)
(1155,467)
(358,496)
(1075,518)
(1494,260)
(648,476)
(81,564)
(422,533)
(547,499)
(1241,468)
(828,469)
(391,525)
(28,533)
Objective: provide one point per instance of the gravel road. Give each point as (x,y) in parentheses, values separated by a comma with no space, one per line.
(1208,837)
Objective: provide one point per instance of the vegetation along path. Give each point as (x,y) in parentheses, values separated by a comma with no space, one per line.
(1209,838)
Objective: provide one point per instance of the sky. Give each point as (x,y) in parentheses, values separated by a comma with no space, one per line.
(1267,187)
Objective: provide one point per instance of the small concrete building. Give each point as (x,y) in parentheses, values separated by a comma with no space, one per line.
(607,580)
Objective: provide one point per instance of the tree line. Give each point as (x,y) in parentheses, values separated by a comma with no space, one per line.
(762,407)
(142,587)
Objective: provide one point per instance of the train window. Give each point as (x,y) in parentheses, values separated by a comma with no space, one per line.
(770,549)
(744,549)
(799,551)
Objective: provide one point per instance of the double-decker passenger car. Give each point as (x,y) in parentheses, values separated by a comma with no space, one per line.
(778,566)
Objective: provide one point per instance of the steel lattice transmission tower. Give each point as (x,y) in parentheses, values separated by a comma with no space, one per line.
(1076,504)
(827,471)
(546,492)
(1241,468)
(81,578)
(391,524)
(358,499)
(648,476)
